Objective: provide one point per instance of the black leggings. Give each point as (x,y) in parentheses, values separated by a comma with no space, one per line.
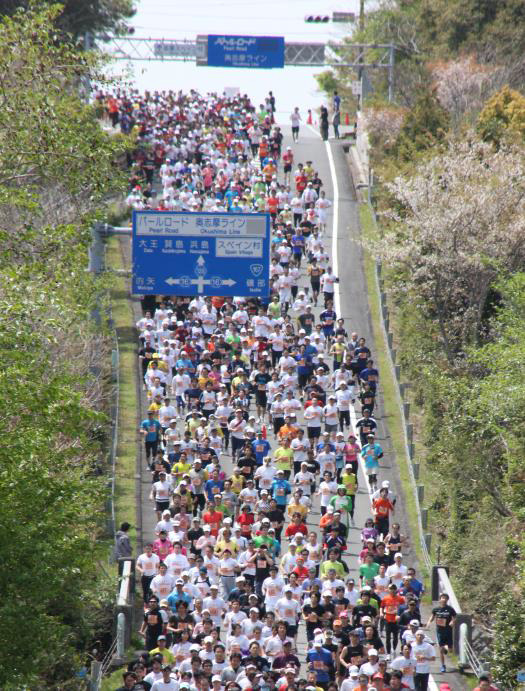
(151,448)
(226,433)
(344,419)
(199,502)
(392,635)
(145,582)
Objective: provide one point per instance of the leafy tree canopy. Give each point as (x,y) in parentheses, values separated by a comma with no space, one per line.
(81,16)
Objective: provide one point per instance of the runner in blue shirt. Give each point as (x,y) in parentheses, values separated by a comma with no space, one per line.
(321,661)
(151,430)
(281,488)
(371,454)
(261,448)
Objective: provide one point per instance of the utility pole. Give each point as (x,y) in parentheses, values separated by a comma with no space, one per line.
(360,70)
(391,65)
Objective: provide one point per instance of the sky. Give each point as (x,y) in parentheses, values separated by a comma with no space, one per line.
(292,86)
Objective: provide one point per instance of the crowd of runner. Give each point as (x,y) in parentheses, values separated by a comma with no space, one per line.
(260,415)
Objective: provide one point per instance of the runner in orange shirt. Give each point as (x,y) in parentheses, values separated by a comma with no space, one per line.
(382,507)
(389,609)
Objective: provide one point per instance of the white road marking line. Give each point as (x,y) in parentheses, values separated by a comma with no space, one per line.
(337,306)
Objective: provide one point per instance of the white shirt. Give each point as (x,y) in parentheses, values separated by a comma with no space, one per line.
(216,606)
(344,398)
(313,415)
(397,573)
(265,474)
(331,414)
(407,666)
(162,586)
(288,610)
(166,413)
(162,490)
(161,685)
(272,589)
(420,652)
(148,565)
(176,563)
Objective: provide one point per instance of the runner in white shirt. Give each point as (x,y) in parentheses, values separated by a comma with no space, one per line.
(291,405)
(328,281)
(163,583)
(272,588)
(313,416)
(179,384)
(177,562)
(406,664)
(327,490)
(326,460)
(344,397)
(331,416)
(288,610)
(322,205)
(147,565)
(215,605)
(397,571)
(265,474)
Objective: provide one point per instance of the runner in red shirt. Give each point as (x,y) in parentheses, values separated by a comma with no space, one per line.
(296,526)
(213,519)
(246,519)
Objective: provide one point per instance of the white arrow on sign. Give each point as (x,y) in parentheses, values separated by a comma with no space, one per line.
(200,282)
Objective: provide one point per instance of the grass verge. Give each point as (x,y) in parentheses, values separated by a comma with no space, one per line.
(395,421)
(125,501)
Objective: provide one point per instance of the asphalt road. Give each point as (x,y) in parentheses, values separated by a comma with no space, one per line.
(342,240)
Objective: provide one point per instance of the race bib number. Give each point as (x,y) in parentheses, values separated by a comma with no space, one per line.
(153,619)
(441,621)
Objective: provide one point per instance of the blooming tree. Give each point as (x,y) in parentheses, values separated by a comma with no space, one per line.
(384,124)
(460,85)
(460,222)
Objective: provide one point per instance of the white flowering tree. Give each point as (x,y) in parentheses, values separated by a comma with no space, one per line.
(459,223)
(460,85)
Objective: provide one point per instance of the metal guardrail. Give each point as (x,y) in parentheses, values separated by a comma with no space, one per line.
(463,636)
(408,451)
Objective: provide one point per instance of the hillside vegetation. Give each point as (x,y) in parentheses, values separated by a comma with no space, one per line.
(57,168)
(450,158)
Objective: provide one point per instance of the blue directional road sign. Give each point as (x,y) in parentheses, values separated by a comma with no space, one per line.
(179,253)
(245,51)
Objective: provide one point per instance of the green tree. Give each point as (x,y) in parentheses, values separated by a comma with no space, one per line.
(80,16)
(502,115)
(424,126)
(57,168)
(508,647)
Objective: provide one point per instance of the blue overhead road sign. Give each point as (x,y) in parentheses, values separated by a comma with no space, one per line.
(183,253)
(245,51)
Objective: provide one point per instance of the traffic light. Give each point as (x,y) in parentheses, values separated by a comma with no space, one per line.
(317,18)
